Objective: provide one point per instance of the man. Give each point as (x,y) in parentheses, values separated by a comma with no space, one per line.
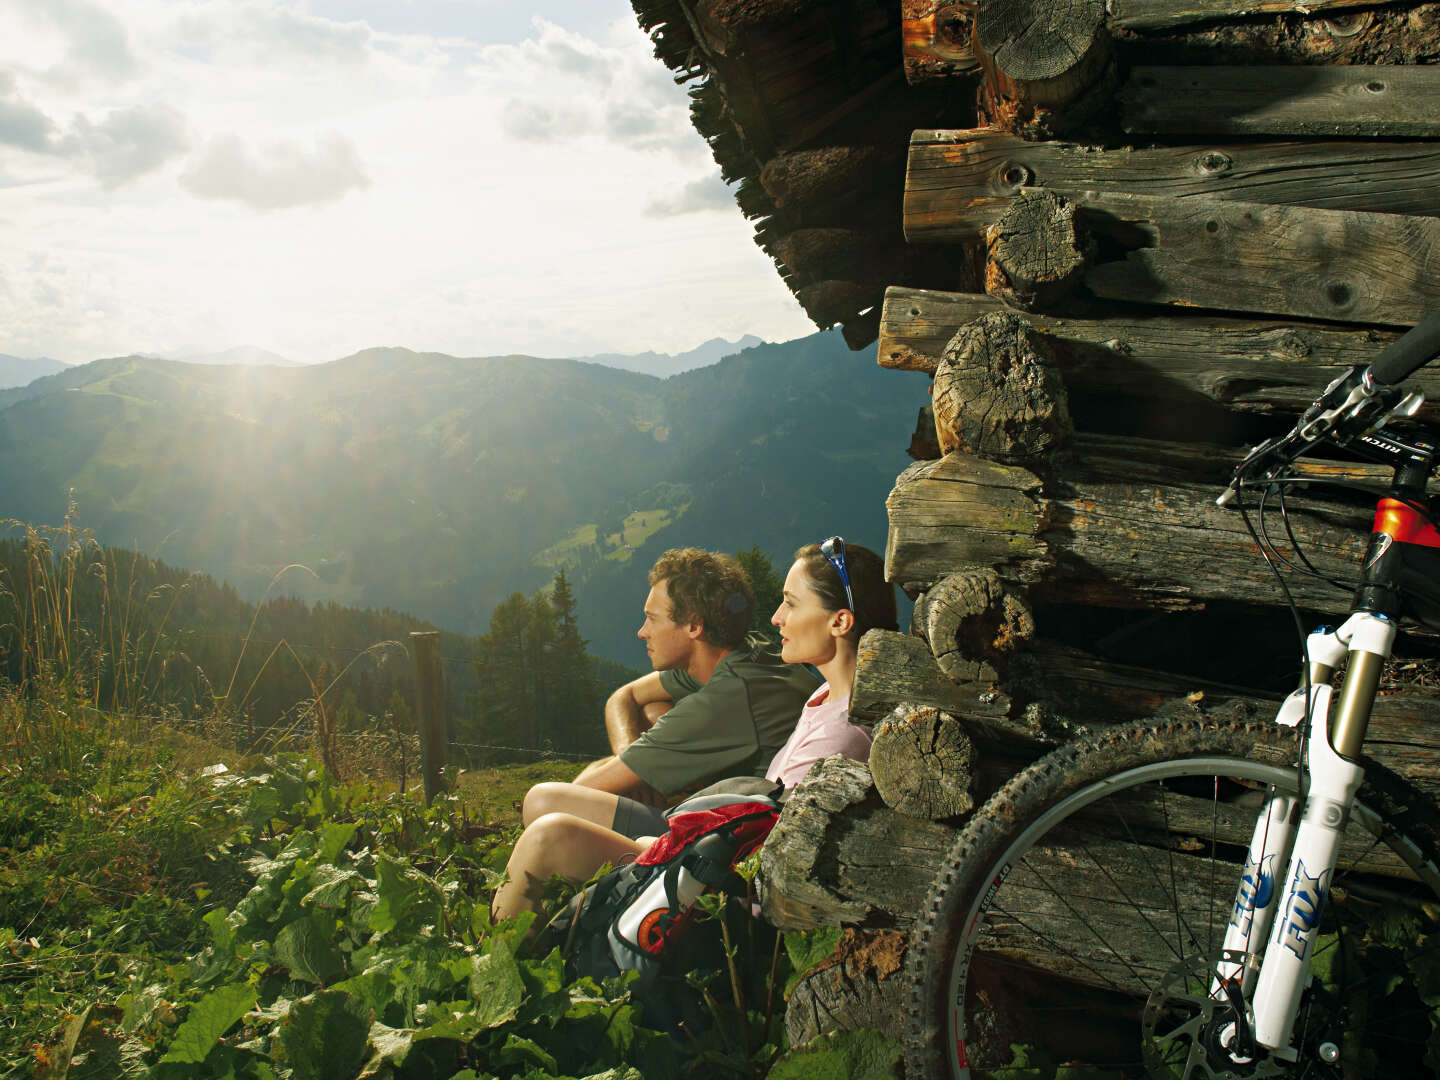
(716,705)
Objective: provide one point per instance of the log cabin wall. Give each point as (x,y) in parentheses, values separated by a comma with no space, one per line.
(1145,234)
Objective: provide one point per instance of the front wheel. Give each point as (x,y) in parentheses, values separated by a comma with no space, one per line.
(1078,917)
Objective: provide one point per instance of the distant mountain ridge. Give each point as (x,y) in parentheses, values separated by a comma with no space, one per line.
(19,370)
(439,485)
(247,355)
(664,365)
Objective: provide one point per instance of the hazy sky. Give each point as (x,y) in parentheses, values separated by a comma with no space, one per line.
(318,176)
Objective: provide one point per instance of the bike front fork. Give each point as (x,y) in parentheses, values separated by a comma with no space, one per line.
(1273,925)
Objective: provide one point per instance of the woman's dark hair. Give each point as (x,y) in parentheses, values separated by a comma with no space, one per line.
(874,596)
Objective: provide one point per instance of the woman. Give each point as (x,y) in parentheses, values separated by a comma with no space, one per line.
(833,593)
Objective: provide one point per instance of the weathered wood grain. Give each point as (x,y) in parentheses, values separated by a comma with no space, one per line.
(838,855)
(1035,255)
(896,669)
(959,182)
(922,761)
(1133,524)
(936,39)
(1243,364)
(1040,51)
(969,619)
(998,392)
(859,986)
(1341,265)
(963,511)
(1165,14)
(1361,100)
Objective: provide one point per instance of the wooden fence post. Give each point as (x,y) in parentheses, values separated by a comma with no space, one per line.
(429,708)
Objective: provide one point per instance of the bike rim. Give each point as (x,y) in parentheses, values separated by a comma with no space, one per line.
(1190,934)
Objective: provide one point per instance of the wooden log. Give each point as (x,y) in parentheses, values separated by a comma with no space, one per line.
(1243,364)
(1361,100)
(820,175)
(1034,253)
(896,669)
(937,39)
(971,622)
(1133,525)
(922,761)
(830,302)
(959,183)
(858,986)
(838,855)
(1041,52)
(1340,265)
(815,255)
(1167,14)
(923,444)
(998,392)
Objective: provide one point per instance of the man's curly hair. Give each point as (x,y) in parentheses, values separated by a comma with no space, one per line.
(709,587)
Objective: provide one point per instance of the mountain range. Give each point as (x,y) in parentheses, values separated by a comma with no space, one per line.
(17,371)
(439,485)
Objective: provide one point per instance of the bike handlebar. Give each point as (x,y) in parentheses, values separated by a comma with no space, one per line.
(1409,354)
(1354,403)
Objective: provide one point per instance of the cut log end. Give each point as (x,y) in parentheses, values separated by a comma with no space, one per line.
(1035,254)
(923,763)
(998,392)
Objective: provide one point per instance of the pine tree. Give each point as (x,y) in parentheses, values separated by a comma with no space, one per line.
(768,586)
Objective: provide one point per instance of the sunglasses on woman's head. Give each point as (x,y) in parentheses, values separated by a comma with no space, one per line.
(834,550)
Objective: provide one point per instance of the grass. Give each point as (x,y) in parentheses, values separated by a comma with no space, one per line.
(161,916)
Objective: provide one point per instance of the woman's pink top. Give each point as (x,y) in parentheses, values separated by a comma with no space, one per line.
(824,728)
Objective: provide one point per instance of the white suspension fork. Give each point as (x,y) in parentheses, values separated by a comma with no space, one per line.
(1333,784)
(1269,851)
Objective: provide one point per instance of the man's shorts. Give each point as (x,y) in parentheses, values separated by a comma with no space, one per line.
(636,819)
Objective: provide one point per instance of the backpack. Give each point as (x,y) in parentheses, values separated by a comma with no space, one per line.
(632,917)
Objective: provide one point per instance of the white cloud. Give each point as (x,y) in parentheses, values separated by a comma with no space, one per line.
(127,143)
(98,42)
(536,196)
(22,124)
(279,174)
(707,193)
(267,33)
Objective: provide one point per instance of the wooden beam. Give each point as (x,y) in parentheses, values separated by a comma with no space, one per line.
(1365,100)
(1134,524)
(1243,364)
(1165,14)
(960,182)
(1340,265)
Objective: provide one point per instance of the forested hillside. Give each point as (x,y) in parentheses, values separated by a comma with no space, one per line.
(175,644)
(441,486)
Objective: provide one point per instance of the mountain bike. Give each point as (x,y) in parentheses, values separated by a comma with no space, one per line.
(1216,895)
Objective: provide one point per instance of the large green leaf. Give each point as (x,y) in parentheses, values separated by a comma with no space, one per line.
(496,985)
(307,947)
(209,1018)
(330,885)
(326,1035)
(842,1055)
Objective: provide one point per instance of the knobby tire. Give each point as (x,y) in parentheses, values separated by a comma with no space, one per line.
(1117,898)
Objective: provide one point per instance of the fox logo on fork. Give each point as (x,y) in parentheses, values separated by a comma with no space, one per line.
(1303,907)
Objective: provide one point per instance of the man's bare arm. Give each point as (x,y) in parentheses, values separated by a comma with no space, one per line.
(614,776)
(631,710)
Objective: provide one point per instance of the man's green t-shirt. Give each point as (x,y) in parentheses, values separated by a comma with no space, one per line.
(730,726)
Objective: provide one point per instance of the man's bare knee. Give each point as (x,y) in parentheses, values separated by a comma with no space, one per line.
(542,799)
(655,710)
